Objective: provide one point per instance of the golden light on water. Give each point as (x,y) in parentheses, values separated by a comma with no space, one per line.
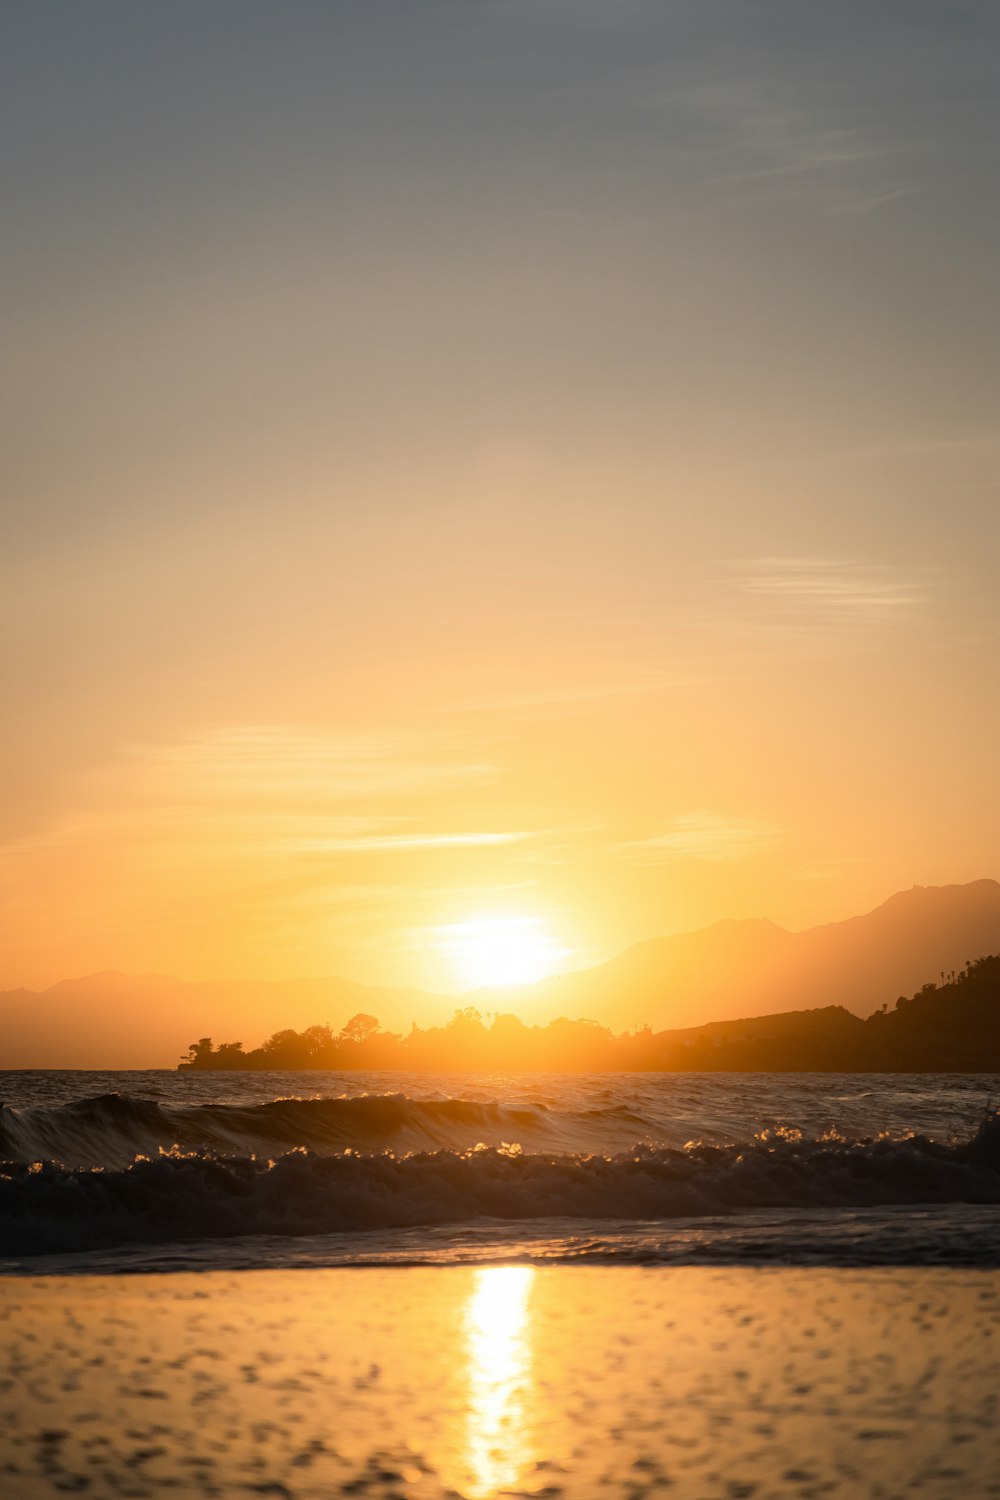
(498,1347)
(500,950)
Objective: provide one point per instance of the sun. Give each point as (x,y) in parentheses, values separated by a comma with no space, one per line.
(499,950)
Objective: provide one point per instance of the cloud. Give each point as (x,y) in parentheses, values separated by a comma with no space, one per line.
(292,763)
(628,685)
(259,792)
(261,845)
(770,132)
(867,203)
(374,843)
(831,868)
(834,584)
(703,835)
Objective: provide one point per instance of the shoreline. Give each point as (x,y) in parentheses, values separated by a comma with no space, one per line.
(896,1237)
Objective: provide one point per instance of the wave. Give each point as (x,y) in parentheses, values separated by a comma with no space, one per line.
(109,1130)
(47,1208)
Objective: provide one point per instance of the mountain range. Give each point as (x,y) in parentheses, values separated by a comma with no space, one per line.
(730,970)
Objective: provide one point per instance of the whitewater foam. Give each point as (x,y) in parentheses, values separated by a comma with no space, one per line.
(47,1208)
(129,1172)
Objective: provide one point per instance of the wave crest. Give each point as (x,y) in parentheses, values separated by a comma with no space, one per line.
(109,1130)
(48,1208)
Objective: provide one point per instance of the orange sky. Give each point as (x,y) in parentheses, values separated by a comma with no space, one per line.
(533,463)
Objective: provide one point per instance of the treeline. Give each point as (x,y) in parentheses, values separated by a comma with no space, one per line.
(949,1027)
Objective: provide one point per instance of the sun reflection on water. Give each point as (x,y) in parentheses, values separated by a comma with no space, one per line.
(498,1443)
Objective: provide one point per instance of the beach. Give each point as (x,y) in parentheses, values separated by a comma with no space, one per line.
(510,1380)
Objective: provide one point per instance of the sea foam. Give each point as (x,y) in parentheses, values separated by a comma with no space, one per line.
(195,1194)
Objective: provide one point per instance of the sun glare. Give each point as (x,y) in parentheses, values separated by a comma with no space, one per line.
(499,951)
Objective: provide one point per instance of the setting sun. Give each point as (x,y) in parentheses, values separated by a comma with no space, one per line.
(499,951)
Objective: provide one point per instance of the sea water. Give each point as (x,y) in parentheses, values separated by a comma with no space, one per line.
(193,1170)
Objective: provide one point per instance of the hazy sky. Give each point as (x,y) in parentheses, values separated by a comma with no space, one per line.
(532,458)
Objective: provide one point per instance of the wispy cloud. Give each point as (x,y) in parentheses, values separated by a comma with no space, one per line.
(246,794)
(867,203)
(276,842)
(703,835)
(831,868)
(835,584)
(973,441)
(570,696)
(758,138)
(375,843)
(293,762)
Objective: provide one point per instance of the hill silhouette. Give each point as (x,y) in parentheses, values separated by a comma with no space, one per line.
(731,970)
(113,1020)
(952,1028)
(737,969)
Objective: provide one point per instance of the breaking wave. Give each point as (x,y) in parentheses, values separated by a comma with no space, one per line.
(109,1130)
(197,1194)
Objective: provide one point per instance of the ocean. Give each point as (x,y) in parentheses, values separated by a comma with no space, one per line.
(167,1171)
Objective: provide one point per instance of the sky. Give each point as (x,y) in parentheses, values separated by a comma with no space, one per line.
(491,465)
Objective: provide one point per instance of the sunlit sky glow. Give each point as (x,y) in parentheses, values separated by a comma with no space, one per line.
(500,950)
(479,461)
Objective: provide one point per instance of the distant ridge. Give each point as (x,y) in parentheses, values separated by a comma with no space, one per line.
(949,1028)
(744,968)
(111,1020)
(731,970)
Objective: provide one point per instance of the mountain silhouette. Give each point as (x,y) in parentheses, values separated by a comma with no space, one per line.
(736,969)
(111,1020)
(728,971)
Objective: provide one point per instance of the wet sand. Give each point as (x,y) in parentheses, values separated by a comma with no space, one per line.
(708,1384)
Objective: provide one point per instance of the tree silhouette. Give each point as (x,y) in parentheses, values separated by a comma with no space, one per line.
(950,1028)
(359,1028)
